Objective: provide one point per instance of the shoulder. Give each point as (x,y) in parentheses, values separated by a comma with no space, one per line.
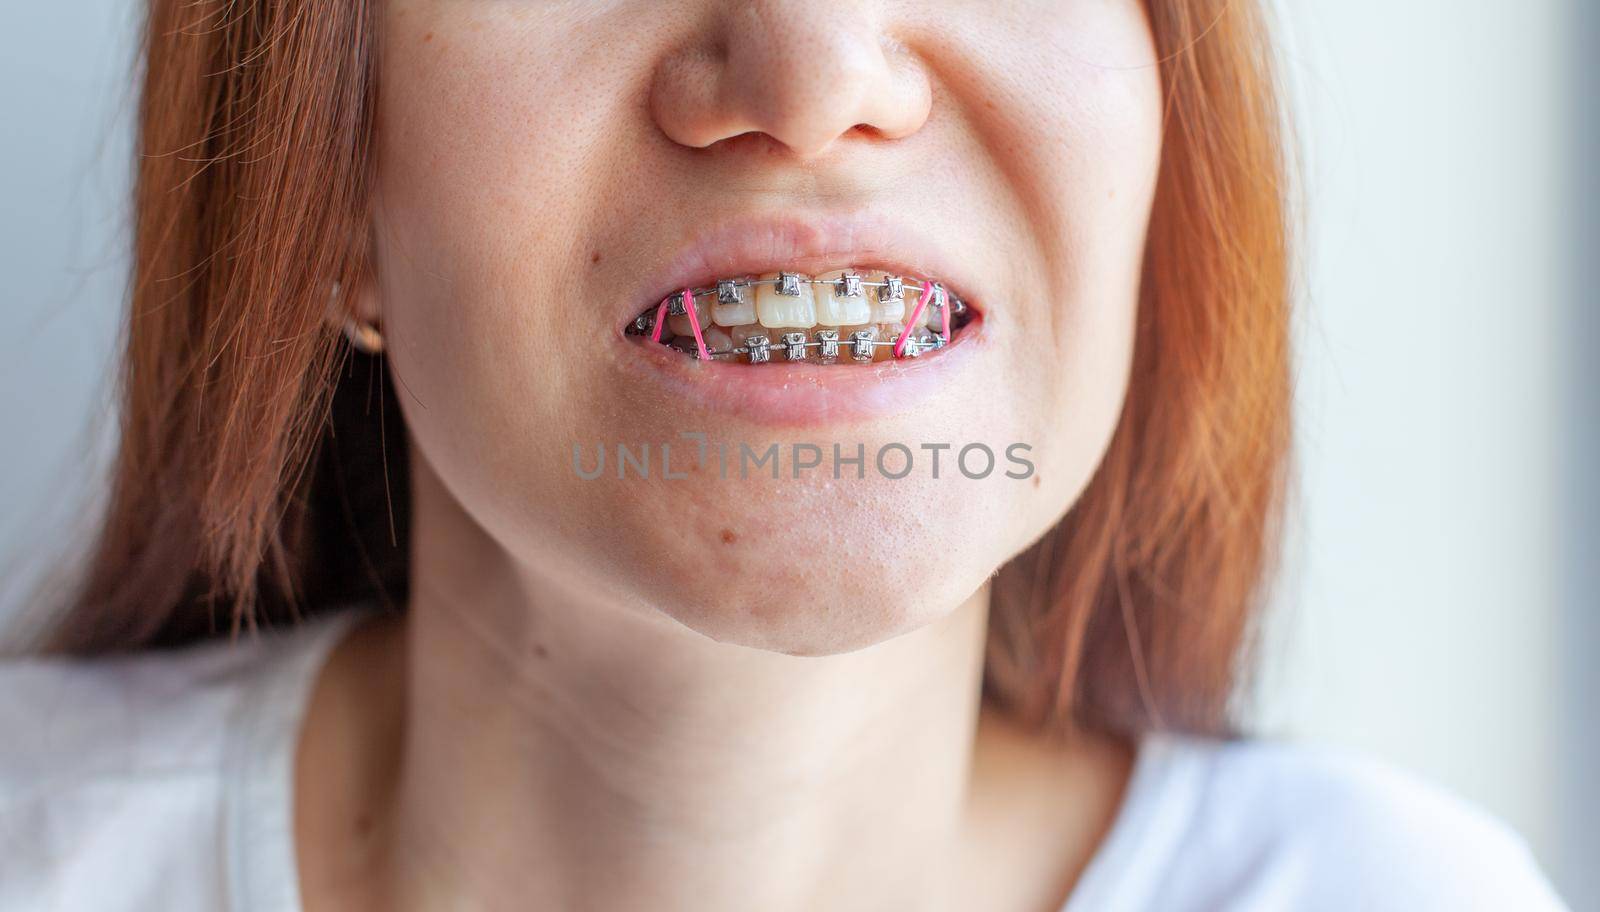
(156,712)
(1264,825)
(114,770)
(1352,806)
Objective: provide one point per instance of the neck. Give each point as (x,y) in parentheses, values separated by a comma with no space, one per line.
(548,752)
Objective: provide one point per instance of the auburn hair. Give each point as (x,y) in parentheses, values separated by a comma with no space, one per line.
(261,464)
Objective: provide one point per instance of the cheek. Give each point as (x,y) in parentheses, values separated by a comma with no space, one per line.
(1074,132)
(488,169)
(487,174)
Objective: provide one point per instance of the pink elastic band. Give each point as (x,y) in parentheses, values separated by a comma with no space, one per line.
(916,317)
(661,319)
(694,324)
(945,316)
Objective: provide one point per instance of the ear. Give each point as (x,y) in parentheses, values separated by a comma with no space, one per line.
(359,301)
(353,307)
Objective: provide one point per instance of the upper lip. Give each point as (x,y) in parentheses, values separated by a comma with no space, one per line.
(753,244)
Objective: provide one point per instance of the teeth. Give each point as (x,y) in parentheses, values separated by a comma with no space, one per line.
(933,317)
(735,305)
(827,344)
(887,332)
(679,323)
(787,316)
(717,338)
(837,308)
(794,344)
(741,333)
(755,338)
(884,307)
(861,344)
(776,310)
(921,340)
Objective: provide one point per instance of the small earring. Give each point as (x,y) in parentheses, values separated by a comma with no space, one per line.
(364,336)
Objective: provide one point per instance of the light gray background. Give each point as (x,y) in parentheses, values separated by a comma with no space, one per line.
(1438,609)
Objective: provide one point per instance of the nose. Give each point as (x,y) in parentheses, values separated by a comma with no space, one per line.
(804,72)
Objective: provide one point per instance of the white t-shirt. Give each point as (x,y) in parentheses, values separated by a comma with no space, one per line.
(162,781)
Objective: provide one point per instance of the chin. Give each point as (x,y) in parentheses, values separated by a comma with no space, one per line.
(809,566)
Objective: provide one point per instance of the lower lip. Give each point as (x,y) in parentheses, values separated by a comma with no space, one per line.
(801,393)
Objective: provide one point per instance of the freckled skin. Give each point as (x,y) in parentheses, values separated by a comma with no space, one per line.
(507,165)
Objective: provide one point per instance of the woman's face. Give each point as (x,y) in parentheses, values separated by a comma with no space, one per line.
(549,169)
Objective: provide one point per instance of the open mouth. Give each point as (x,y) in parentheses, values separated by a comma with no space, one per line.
(842,316)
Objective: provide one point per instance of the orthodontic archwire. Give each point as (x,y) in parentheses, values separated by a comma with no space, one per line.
(861,342)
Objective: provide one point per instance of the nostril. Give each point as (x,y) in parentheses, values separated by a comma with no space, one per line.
(802,80)
(749,143)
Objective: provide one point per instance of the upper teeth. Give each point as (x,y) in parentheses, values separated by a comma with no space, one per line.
(791,300)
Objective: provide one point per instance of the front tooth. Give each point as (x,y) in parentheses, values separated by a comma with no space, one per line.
(680,325)
(735,314)
(777,311)
(884,310)
(834,309)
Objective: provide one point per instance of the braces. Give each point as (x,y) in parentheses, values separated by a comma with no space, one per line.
(862,343)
